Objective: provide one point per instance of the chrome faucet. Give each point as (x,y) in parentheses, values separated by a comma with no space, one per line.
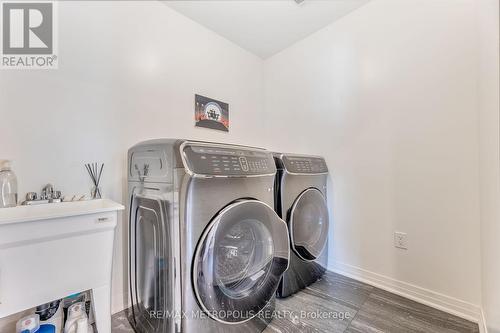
(48,195)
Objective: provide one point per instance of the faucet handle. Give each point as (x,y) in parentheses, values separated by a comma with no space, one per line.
(48,190)
(31,196)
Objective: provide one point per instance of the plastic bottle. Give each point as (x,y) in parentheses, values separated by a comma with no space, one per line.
(77,321)
(70,300)
(28,324)
(8,185)
(51,317)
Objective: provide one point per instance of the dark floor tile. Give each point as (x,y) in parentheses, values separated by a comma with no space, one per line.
(284,326)
(120,324)
(373,310)
(351,329)
(341,289)
(386,312)
(303,312)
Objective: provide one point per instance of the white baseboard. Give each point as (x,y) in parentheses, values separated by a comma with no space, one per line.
(482,323)
(428,297)
(119,302)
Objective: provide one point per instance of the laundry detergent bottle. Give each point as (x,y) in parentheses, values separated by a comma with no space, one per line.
(77,321)
(51,317)
(28,324)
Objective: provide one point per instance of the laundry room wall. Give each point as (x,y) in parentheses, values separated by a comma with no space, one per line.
(128,71)
(388,95)
(489,87)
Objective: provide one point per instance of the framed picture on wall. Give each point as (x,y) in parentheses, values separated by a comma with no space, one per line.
(211,113)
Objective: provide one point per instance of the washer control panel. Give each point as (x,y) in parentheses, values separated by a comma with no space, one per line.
(228,161)
(304,164)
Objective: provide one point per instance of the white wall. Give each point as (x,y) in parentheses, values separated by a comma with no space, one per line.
(388,95)
(489,90)
(128,71)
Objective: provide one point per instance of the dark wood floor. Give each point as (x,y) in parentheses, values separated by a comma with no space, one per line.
(339,304)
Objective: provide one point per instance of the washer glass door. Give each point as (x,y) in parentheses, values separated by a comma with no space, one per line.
(239,261)
(150,263)
(308,223)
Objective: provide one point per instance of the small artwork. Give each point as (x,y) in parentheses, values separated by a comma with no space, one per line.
(210,113)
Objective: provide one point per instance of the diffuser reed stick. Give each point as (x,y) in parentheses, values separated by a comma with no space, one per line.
(95,173)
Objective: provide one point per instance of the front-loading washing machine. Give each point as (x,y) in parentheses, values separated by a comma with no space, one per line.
(300,200)
(206,248)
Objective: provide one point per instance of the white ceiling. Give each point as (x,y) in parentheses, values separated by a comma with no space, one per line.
(265,27)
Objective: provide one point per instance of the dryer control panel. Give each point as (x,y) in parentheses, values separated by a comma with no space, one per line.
(227,161)
(304,164)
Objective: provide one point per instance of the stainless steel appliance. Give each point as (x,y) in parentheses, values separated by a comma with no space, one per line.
(300,199)
(207,250)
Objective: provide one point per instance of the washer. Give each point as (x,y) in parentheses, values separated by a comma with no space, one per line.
(300,199)
(207,249)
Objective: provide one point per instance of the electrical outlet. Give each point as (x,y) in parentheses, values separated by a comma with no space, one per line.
(400,240)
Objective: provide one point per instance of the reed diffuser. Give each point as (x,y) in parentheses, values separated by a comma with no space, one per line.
(95,173)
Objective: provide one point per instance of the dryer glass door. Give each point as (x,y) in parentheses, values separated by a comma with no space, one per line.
(150,266)
(239,261)
(308,223)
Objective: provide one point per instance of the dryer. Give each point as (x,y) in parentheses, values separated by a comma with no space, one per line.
(300,199)
(206,248)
